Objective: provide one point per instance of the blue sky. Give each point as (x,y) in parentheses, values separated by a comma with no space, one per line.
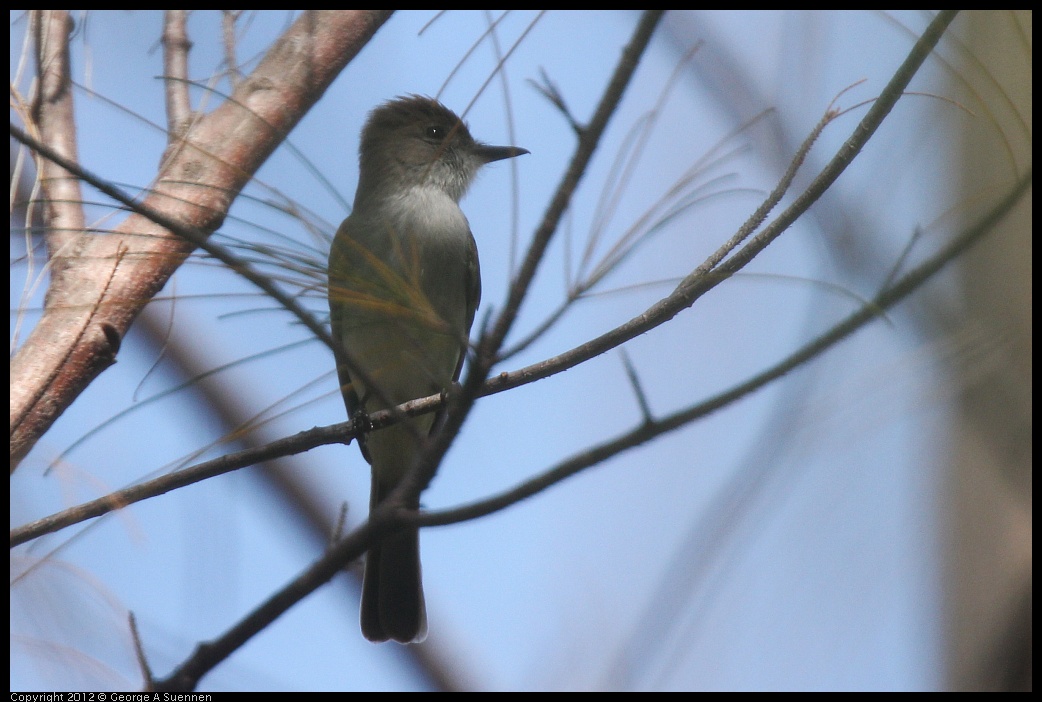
(788,541)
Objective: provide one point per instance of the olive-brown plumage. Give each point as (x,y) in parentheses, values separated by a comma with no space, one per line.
(404,286)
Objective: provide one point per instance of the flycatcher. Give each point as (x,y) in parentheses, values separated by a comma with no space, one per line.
(404,286)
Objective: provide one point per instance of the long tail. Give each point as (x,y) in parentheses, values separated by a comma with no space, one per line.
(392,589)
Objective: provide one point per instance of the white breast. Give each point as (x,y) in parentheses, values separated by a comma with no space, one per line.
(432,212)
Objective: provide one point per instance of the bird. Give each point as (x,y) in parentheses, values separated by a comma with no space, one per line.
(404,286)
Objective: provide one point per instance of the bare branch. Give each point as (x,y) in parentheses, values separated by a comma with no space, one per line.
(385,519)
(139,652)
(488,347)
(638,389)
(54,120)
(196,186)
(300,442)
(715,269)
(303,441)
(702,280)
(588,142)
(548,89)
(647,431)
(228,20)
(176,46)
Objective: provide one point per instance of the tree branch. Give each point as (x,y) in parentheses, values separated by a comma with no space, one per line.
(199,178)
(649,430)
(54,118)
(701,280)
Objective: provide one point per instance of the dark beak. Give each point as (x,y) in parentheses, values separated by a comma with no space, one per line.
(488,153)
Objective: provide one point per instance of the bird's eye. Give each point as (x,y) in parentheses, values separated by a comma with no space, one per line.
(435,132)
